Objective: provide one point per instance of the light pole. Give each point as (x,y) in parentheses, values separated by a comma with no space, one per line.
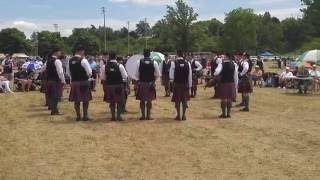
(128,37)
(104,26)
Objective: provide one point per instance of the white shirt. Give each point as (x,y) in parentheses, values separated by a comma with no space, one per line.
(123,72)
(198,65)
(85,64)
(286,75)
(235,75)
(172,69)
(245,66)
(157,73)
(314,73)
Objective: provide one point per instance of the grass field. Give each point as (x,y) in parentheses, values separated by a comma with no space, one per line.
(279,139)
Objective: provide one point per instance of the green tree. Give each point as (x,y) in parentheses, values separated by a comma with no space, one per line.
(84,38)
(13,41)
(240,31)
(143,29)
(46,42)
(294,33)
(312,14)
(180,19)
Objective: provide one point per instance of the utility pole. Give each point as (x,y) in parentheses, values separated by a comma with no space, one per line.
(104,26)
(145,28)
(56,27)
(128,37)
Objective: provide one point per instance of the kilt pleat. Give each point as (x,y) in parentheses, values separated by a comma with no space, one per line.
(181,93)
(80,92)
(146,91)
(54,89)
(245,84)
(114,93)
(226,91)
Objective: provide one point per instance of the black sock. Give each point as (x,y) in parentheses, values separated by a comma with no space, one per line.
(184,109)
(77,108)
(85,109)
(149,107)
(223,108)
(143,109)
(178,109)
(229,106)
(113,110)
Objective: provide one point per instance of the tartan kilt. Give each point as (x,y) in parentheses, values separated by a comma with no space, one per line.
(226,91)
(245,84)
(80,92)
(54,89)
(181,93)
(114,93)
(146,91)
(43,88)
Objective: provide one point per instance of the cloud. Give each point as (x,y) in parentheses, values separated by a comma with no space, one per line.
(144,2)
(24,25)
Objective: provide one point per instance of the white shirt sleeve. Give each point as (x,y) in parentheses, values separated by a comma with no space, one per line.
(218,69)
(171,71)
(123,72)
(59,69)
(161,67)
(245,68)
(157,73)
(85,64)
(190,75)
(3,62)
(199,66)
(103,73)
(235,76)
(137,74)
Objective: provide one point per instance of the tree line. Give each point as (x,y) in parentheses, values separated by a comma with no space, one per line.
(242,30)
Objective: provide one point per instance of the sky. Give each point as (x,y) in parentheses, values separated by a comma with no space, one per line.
(36,15)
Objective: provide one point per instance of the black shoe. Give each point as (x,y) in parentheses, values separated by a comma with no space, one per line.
(184,118)
(142,119)
(113,119)
(120,119)
(244,110)
(223,116)
(228,116)
(78,119)
(86,119)
(177,118)
(149,118)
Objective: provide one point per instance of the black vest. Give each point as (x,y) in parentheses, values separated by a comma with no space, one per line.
(166,68)
(78,73)
(193,66)
(214,65)
(181,72)
(52,74)
(146,70)
(240,67)
(227,73)
(7,69)
(113,74)
(250,66)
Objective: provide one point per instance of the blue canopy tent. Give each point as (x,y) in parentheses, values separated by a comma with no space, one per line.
(266,54)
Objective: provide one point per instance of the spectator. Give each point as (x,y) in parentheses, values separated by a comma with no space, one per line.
(257,75)
(284,77)
(23,79)
(4,85)
(260,64)
(93,65)
(303,85)
(314,72)
(7,65)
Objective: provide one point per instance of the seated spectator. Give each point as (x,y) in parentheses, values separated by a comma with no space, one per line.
(257,75)
(284,77)
(303,85)
(5,85)
(23,79)
(314,72)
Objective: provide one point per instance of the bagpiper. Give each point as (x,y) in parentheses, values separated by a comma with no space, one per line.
(114,75)
(196,68)
(165,79)
(55,80)
(181,76)
(147,73)
(79,71)
(245,82)
(226,90)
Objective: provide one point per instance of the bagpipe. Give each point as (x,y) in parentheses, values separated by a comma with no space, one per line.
(212,81)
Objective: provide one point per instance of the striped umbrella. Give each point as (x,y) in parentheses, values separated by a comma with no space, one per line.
(312,56)
(158,57)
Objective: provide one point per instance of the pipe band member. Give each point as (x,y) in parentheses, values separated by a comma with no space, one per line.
(226,90)
(79,71)
(113,75)
(181,76)
(55,80)
(147,73)
(245,82)
(196,68)
(165,79)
